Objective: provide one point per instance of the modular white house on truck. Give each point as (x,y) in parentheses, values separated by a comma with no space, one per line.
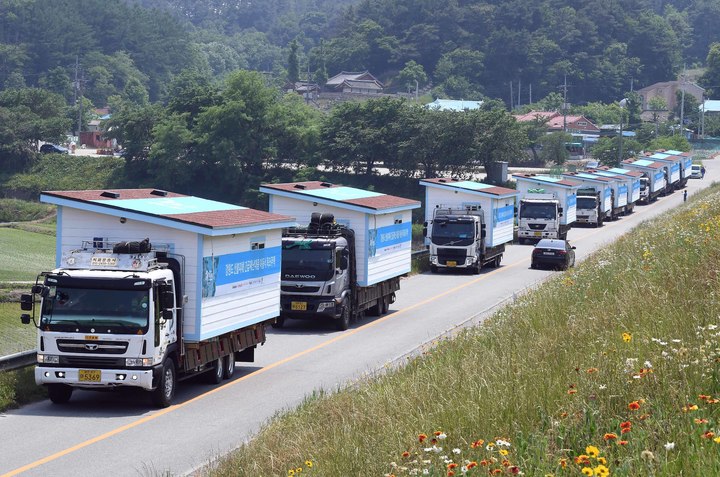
(672,168)
(152,285)
(594,198)
(467,223)
(622,188)
(547,206)
(348,252)
(653,171)
(633,178)
(685,161)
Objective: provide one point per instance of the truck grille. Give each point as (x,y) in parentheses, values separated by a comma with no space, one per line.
(537,226)
(299,289)
(92,362)
(94,347)
(451,254)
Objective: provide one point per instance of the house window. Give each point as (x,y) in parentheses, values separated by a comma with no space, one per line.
(257,245)
(582,123)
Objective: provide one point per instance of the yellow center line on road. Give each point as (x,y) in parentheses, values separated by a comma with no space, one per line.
(269,367)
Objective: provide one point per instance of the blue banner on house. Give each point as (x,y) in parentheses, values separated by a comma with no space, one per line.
(503,214)
(234,272)
(389,238)
(571,201)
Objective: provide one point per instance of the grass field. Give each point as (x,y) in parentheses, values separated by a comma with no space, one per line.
(612,368)
(14,336)
(25,254)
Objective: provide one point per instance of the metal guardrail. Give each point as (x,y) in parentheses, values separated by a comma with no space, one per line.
(18,360)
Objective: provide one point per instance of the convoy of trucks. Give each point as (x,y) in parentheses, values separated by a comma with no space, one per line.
(467,223)
(655,174)
(151,286)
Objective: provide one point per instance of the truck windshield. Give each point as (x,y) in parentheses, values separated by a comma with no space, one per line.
(307,264)
(96,310)
(453,233)
(537,210)
(586,202)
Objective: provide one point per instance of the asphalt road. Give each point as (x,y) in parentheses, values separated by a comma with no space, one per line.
(121,434)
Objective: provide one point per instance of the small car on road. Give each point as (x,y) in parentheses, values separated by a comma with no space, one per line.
(696,171)
(53,149)
(553,253)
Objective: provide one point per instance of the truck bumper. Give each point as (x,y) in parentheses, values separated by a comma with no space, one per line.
(109,378)
(537,234)
(308,307)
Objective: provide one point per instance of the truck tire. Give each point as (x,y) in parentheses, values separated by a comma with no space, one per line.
(229,366)
(279,322)
(343,323)
(164,393)
(385,302)
(433,269)
(59,393)
(496,262)
(476,268)
(215,376)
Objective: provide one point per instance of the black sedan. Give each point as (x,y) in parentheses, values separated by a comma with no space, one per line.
(53,149)
(553,253)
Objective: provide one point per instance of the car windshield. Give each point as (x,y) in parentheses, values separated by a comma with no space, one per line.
(553,244)
(102,310)
(307,264)
(537,210)
(452,233)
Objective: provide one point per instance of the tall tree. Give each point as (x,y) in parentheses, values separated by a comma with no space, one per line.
(293,65)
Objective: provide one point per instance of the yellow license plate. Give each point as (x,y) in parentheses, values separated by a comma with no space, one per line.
(451,263)
(89,375)
(298,305)
(538,234)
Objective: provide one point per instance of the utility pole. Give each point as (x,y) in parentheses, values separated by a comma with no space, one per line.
(512,97)
(519,93)
(565,108)
(76,84)
(682,102)
(530,93)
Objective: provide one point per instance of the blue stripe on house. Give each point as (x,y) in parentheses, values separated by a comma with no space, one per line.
(58,233)
(237,267)
(393,234)
(503,214)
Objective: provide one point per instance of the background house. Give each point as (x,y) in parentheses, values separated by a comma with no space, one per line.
(667,90)
(453,104)
(349,82)
(557,122)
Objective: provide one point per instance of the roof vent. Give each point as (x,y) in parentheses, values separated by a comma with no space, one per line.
(299,186)
(326,184)
(111,195)
(442,180)
(161,193)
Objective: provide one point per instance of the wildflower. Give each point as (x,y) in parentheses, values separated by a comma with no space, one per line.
(689,408)
(472,464)
(708,435)
(602,471)
(592,370)
(587,471)
(669,446)
(704,397)
(647,455)
(496,471)
(514,470)
(627,337)
(452,465)
(422,437)
(505,463)
(700,421)
(406,454)
(309,464)
(602,460)
(582,459)
(484,463)
(477,443)
(291,472)
(298,470)
(609,436)
(450,473)
(572,391)
(622,443)
(625,430)
(717,440)
(592,451)
(456,451)
(489,446)
(563,463)
(634,406)
(502,443)
(625,425)
(602,387)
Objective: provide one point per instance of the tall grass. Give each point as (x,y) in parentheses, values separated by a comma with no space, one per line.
(25,254)
(609,369)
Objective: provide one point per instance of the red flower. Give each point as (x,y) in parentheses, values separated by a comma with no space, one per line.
(422,437)
(609,436)
(625,425)
(624,430)
(514,469)
(406,454)
(634,406)
(452,465)
(709,435)
(622,443)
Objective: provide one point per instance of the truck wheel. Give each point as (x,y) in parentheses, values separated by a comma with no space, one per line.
(433,269)
(385,302)
(229,366)
(343,323)
(496,263)
(215,376)
(476,268)
(279,322)
(59,393)
(164,393)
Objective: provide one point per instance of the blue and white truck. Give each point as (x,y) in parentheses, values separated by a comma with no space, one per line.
(346,253)
(634,183)
(672,166)
(685,162)
(467,223)
(547,206)
(594,198)
(151,287)
(622,190)
(654,173)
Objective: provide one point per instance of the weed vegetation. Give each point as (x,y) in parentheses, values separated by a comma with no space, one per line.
(65,172)
(14,210)
(609,369)
(18,388)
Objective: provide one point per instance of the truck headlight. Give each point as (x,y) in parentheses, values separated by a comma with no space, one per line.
(433,259)
(48,358)
(132,362)
(325,305)
(469,261)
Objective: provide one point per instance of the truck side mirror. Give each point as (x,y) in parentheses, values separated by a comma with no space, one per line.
(343,263)
(425,225)
(483,233)
(25,319)
(167,297)
(560,211)
(26,302)
(167,315)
